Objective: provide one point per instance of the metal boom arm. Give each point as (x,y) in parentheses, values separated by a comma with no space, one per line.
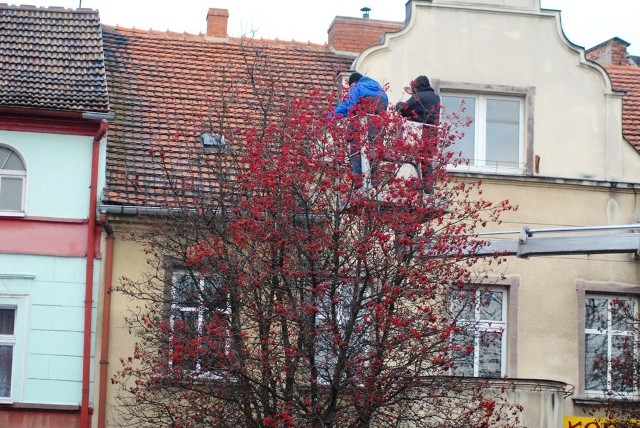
(575,240)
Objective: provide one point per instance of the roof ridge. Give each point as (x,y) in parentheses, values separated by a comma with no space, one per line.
(30,7)
(168,34)
(629,66)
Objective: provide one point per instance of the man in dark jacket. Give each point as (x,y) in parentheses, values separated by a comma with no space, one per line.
(424,104)
(369,94)
(423,107)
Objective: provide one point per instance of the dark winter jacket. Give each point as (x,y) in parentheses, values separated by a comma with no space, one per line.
(423,106)
(363,88)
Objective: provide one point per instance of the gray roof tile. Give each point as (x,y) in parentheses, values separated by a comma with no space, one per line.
(52,58)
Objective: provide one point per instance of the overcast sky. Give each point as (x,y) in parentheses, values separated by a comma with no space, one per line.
(585,22)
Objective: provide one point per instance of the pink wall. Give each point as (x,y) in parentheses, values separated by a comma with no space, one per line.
(51,237)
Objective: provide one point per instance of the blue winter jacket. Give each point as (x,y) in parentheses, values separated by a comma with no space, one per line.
(365,87)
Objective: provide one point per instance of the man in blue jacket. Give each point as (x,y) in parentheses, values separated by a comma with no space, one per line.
(365,93)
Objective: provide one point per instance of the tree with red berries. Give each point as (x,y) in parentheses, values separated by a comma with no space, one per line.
(281,293)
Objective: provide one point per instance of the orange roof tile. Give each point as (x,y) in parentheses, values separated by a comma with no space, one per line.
(627,78)
(160,81)
(52,59)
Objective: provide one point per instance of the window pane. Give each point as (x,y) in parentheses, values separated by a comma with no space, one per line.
(622,314)
(215,339)
(10,193)
(622,363)
(503,133)
(4,156)
(14,163)
(462,305)
(490,305)
(214,299)
(595,362)
(7,320)
(185,290)
(186,323)
(465,145)
(463,355)
(6,361)
(596,314)
(490,354)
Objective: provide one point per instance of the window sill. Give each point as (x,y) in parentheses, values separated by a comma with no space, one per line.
(594,400)
(487,170)
(11,214)
(40,406)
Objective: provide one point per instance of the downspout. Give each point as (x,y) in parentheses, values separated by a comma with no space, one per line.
(106,322)
(88,301)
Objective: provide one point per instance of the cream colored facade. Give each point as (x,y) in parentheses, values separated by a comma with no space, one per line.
(588,174)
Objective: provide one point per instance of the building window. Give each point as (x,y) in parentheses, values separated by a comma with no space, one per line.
(610,343)
(479,348)
(499,138)
(494,140)
(608,338)
(332,321)
(13,176)
(212,139)
(7,354)
(200,321)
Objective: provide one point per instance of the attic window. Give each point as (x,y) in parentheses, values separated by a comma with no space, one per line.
(212,139)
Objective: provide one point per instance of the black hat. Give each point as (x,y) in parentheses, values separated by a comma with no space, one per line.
(354,78)
(422,83)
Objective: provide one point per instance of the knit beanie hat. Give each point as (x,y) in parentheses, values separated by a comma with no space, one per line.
(422,83)
(354,78)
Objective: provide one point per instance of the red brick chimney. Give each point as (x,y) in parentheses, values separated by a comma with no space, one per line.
(611,52)
(356,34)
(217,22)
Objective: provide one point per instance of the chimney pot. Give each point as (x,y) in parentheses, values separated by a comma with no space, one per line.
(365,12)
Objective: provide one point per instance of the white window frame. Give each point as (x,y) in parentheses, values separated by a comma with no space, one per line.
(18,340)
(610,333)
(481,93)
(200,309)
(10,173)
(598,289)
(480,326)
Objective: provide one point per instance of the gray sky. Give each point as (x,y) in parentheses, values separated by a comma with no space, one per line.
(585,22)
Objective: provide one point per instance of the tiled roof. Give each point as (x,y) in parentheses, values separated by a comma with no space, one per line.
(159,82)
(627,78)
(51,58)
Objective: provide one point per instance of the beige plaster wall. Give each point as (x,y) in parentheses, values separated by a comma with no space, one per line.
(547,310)
(576,123)
(128,260)
(575,129)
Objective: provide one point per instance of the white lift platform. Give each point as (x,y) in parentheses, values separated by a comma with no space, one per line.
(560,241)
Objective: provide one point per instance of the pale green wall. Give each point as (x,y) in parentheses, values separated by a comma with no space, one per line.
(58,172)
(55,291)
